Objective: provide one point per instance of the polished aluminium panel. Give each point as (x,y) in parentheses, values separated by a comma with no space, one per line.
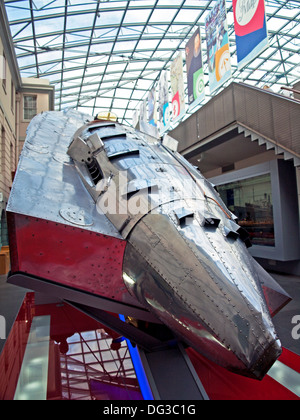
(46,182)
(56,232)
(185,258)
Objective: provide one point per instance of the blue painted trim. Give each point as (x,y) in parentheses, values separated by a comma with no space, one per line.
(139,369)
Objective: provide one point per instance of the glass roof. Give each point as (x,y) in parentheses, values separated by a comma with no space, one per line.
(106,55)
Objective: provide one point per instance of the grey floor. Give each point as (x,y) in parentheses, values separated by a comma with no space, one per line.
(283,320)
(11,298)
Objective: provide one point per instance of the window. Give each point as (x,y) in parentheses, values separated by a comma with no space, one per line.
(3,71)
(12,97)
(251,201)
(2,147)
(30,109)
(12,159)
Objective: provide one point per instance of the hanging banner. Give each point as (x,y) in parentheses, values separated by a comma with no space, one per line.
(143,111)
(164,106)
(177,88)
(152,111)
(250,26)
(216,27)
(195,72)
(135,118)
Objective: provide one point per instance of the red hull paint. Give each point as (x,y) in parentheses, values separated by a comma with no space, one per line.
(87,368)
(12,355)
(67,255)
(220,384)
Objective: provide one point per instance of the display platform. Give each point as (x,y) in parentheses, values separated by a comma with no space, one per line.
(56,352)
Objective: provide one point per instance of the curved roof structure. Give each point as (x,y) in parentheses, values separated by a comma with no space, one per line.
(107,55)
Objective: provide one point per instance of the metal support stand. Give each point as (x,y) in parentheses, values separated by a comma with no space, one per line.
(171,375)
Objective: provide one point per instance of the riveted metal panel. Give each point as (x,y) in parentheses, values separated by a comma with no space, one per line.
(46,182)
(70,256)
(182,257)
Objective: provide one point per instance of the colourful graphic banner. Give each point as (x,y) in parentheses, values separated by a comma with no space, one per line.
(195,72)
(135,118)
(152,110)
(219,66)
(250,29)
(164,106)
(143,111)
(177,88)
